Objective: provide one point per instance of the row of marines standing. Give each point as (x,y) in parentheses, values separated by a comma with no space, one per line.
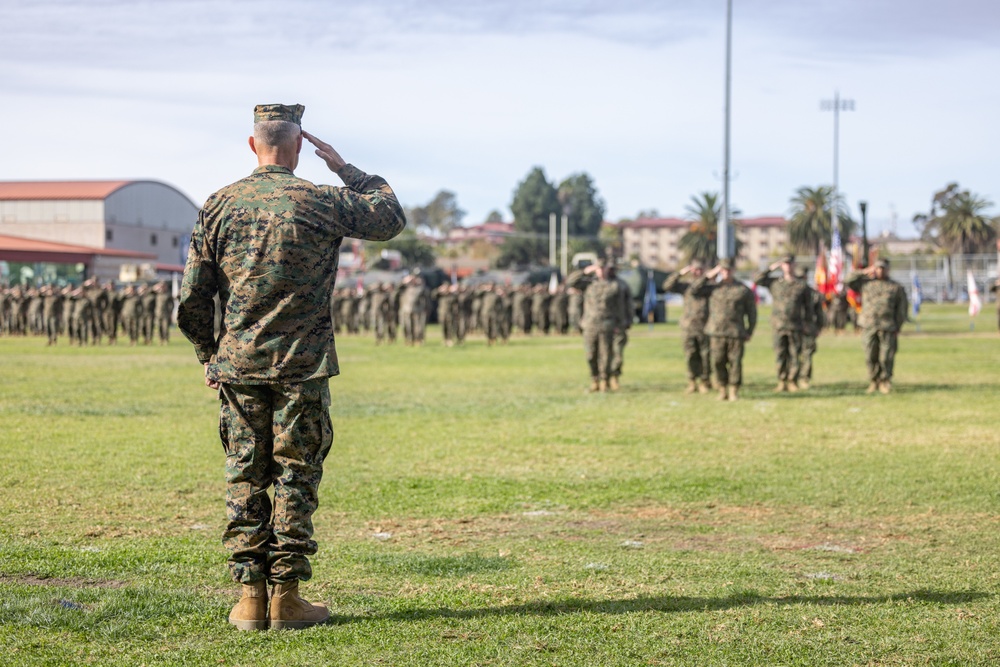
(89,312)
(490,308)
(720,317)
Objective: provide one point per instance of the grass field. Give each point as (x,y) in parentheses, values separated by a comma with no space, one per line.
(479,508)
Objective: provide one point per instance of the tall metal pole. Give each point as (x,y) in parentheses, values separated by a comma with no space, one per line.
(725,241)
(836,105)
(552,240)
(565,246)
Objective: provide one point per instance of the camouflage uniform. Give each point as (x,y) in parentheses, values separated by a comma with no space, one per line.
(883,312)
(790,309)
(413,304)
(131,314)
(269,246)
(696,343)
(602,317)
(163,311)
(620,339)
(52,302)
(732,318)
(810,332)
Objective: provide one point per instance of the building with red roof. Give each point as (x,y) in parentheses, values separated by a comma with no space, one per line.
(109,223)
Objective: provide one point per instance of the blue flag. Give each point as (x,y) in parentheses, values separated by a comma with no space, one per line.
(916,294)
(649,299)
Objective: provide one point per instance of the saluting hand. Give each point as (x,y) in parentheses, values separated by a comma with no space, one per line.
(327,153)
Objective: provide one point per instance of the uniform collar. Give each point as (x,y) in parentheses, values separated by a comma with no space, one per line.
(272,168)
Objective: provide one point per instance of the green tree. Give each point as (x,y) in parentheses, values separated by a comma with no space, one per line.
(414,250)
(957,221)
(494,216)
(440,214)
(700,241)
(535,199)
(584,210)
(809,228)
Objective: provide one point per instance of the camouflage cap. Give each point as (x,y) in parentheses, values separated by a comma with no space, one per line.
(697,264)
(291,113)
(800,272)
(882,264)
(727,263)
(788,259)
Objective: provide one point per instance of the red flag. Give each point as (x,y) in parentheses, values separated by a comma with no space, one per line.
(822,282)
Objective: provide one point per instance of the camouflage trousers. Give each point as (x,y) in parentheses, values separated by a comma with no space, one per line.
(727,357)
(698,357)
(806,352)
(597,344)
(880,354)
(786,354)
(274,435)
(618,343)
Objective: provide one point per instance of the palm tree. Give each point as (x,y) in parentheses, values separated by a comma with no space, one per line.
(809,227)
(700,240)
(962,226)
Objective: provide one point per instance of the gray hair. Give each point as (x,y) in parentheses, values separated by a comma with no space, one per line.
(275,132)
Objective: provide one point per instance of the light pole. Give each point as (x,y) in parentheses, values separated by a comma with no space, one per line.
(725,243)
(863,205)
(836,105)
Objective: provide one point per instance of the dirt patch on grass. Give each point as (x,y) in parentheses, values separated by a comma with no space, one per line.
(59,582)
(720,528)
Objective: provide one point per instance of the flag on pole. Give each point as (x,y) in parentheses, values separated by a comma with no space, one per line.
(649,298)
(916,294)
(822,280)
(835,267)
(975,303)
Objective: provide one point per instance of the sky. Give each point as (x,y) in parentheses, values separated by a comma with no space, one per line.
(470,96)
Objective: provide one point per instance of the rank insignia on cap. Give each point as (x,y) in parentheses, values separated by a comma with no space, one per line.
(291,113)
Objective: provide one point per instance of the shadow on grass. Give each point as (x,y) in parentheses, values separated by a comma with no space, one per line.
(842,389)
(667,604)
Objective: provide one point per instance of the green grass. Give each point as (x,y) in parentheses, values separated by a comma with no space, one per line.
(479,508)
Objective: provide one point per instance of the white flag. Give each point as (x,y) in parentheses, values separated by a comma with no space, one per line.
(975,303)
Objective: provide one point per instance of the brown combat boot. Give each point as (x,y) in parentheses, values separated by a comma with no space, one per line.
(691,388)
(289,611)
(613,383)
(704,386)
(885,386)
(722,393)
(872,388)
(793,386)
(804,385)
(782,386)
(594,385)
(602,386)
(250,613)
(734,392)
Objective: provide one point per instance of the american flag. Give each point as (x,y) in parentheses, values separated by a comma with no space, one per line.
(835,267)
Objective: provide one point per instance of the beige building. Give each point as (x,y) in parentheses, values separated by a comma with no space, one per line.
(149,218)
(656,241)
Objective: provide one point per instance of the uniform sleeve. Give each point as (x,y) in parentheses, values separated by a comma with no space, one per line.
(701,287)
(902,308)
(674,284)
(367,208)
(196,307)
(856,281)
(764,279)
(578,280)
(628,311)
(751,304)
